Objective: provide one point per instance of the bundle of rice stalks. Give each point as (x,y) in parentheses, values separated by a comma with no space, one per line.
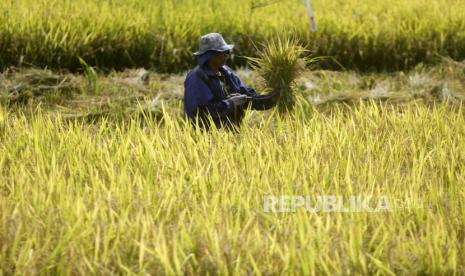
(279,63)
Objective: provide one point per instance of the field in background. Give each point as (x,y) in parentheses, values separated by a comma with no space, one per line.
(384,35)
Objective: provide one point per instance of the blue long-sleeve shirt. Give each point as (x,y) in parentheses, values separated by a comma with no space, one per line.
(200,100)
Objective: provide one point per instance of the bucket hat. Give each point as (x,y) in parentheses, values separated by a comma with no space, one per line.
(213,42)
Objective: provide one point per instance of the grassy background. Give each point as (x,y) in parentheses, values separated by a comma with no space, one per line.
(383,35)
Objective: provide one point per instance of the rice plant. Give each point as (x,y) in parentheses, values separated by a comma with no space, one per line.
(91,76)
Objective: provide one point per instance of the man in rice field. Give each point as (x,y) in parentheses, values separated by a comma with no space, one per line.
(213,90)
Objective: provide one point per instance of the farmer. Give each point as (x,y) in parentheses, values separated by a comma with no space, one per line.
(212,89)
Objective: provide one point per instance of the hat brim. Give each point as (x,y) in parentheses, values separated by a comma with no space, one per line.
(227,47)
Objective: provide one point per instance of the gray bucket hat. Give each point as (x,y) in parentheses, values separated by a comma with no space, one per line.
(212,42)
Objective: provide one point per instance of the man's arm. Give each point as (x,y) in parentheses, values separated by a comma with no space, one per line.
(259,102)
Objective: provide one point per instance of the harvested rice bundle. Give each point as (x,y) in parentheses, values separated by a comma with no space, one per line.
(279,63)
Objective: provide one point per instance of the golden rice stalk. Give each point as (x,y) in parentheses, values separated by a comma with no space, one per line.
(3,116)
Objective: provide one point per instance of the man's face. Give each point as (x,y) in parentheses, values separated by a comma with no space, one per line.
(219,60)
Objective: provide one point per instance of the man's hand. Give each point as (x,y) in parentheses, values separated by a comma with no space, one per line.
(238,100)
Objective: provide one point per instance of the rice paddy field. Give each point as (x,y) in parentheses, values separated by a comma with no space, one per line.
(101,175)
